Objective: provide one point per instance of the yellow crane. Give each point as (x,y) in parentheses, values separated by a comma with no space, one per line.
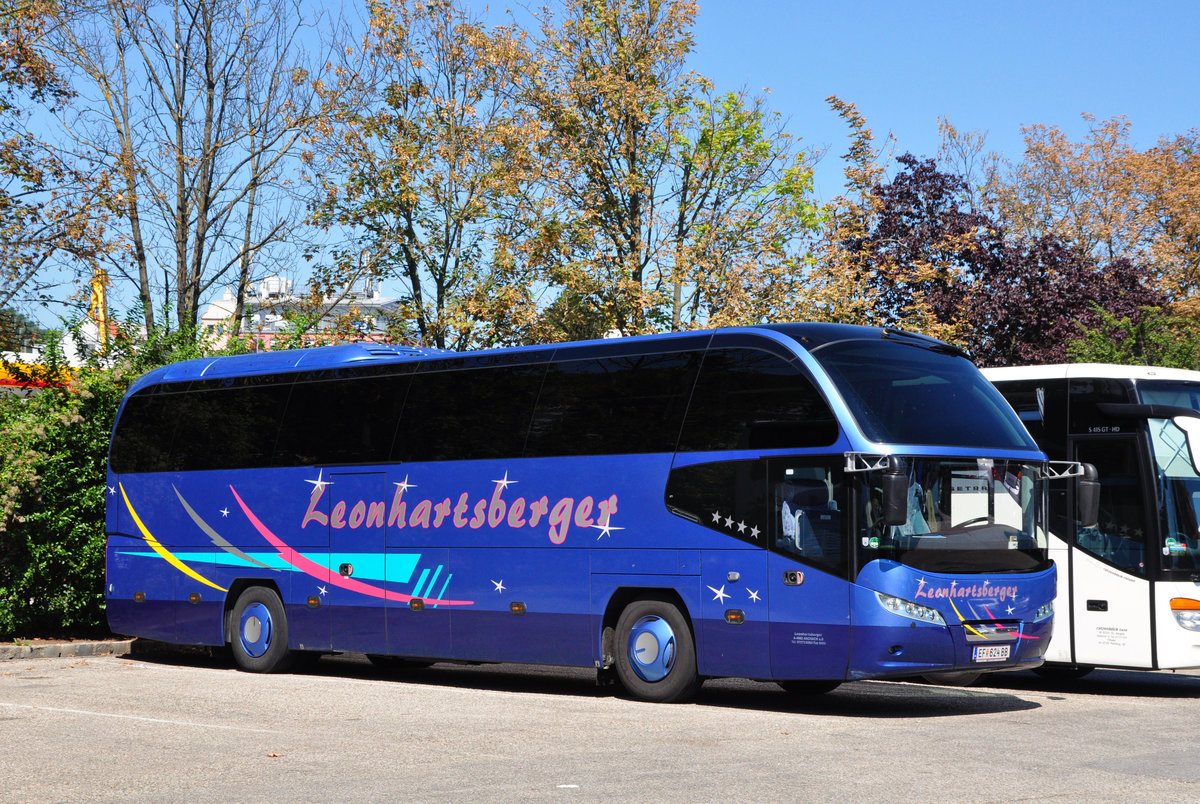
(98,308)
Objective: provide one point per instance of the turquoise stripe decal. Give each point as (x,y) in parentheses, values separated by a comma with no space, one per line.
(433,580)
(420,582)
(367,566)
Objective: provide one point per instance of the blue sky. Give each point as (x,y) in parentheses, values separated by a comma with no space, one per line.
(986,66)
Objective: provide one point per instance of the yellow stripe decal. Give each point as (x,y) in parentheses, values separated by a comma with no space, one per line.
(162,551)
(963,620)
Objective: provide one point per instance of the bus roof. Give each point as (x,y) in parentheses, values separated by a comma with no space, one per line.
(1072,371)
(804,335)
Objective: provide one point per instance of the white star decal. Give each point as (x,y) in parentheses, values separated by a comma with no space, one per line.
(716,516)
(719,593)
(404,485)
(606,530)
(499,585)
(112,490)
(225,511)
(741,527)
(754,533)
(322,591)
(319,483)
(753,594)
(1011,609)
(729,522)
(505,482)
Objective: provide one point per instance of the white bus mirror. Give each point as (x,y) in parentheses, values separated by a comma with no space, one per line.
(1190,425)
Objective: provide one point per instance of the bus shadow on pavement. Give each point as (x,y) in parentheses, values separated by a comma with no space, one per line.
(867,699)
(856,699)
(860,699)
(1116,683)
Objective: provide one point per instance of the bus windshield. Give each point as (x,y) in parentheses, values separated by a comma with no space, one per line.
(902,393)
(1176,477)
(964,515)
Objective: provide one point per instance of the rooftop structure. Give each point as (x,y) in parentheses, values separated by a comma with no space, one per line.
(265,313)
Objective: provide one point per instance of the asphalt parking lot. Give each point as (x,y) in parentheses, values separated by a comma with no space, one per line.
(187,727)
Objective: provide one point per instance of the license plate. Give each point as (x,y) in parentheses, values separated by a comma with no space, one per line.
(990,653)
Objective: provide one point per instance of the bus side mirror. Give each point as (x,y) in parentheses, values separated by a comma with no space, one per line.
(1190,425)
(1088,497)
(895,493)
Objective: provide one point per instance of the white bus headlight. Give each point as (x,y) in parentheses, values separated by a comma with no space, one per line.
(913,611)
(1187,612)
(1044,612)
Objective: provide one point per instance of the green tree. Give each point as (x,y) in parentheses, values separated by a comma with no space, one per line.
(420,165)
(738,208)
(609,86)
(836,287)
(664,204)
(1158,337)
(51,216)
(197,109)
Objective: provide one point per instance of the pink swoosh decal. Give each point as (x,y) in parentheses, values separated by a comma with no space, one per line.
(310,567)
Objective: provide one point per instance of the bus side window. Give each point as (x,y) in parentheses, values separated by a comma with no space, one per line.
(725,496)
(751,399)
(1120,535)
(612,405)
(474,414)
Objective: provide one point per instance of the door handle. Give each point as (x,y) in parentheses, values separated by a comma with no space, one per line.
(1097,605)
(793,577)
(346,570)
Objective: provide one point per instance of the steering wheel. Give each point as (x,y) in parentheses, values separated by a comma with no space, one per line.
(970,522)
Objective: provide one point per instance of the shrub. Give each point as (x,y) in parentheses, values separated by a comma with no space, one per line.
(52,484)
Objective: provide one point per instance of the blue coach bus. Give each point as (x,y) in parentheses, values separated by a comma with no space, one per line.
(803,503)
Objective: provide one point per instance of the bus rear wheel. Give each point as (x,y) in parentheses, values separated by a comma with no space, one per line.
(259,632)
(656,656)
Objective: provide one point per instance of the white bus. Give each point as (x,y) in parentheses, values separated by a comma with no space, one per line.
(1129,586)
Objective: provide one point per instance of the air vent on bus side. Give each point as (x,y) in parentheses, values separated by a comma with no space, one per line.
(386,350)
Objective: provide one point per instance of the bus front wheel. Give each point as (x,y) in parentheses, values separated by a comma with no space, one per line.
(656,656)
(953,678)
(259,632)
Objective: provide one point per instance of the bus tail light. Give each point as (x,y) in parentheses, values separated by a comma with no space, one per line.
(1187,612)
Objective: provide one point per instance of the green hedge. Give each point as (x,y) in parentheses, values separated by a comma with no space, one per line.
(52,484)
(53,448)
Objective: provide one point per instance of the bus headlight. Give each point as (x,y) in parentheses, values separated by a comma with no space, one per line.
(1187,612)
(1044,612)
(913,611)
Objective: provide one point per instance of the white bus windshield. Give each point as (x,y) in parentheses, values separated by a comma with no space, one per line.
(1176,477)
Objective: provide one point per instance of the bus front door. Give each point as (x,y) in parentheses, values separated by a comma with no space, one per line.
(1110,565)
(810,621)
(809,596)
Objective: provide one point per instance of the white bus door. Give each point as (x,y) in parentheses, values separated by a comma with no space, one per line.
(1111,565)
